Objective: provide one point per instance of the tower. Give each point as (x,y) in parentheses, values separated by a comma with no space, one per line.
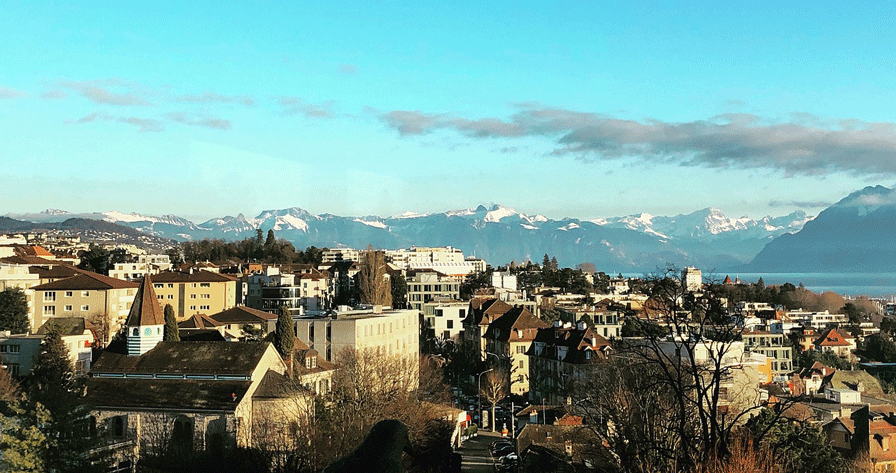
(145,326)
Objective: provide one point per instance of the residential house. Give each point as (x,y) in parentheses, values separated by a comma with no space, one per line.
(838,342)
(18,352)
(482,312)
(869,433)
(560,358)
(509,337)
(235,318)
(195,292)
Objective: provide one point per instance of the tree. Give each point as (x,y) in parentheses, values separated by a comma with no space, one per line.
(879,347)
(373,280)
(23,445)
(172,333)
(399,291)
(95,259)
(796,446)
(284,335)
(252,333)
(494,389)
(175,256)
(14,310)
(689,391)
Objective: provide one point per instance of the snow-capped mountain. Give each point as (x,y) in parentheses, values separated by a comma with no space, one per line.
(499,234)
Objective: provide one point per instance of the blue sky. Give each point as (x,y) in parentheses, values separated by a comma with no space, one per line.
(581,109)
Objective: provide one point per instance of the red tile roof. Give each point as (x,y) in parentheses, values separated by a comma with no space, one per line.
(196,276)
(86,281)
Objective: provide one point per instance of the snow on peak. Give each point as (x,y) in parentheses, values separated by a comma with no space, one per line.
(569,226)
(372,223)
(409,214)
(290,221)
(54,212)
(497,213)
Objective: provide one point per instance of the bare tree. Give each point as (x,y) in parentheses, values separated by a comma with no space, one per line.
(494,389)
(102,326)
(669,401)
(374,285)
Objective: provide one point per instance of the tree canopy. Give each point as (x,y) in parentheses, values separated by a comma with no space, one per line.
(172,332)
(284,336)
(14,310)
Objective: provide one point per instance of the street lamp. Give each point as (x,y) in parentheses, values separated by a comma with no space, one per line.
(479,393)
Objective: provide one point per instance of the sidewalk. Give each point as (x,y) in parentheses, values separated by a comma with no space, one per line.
(475,453)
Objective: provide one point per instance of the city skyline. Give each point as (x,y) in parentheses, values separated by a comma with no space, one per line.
(566,111)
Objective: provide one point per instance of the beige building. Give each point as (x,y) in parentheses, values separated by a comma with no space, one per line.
(508,337)
(427,286)
(89,295)
(197,292)
(392,332)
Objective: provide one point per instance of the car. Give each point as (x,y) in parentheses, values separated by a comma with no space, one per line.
(503,450)
(500,442)
(507,464)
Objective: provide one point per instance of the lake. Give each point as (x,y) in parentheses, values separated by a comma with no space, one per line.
(846,284)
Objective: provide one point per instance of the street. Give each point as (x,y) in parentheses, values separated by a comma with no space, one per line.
(475,452)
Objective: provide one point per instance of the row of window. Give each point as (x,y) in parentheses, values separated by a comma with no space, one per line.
(171,285)
(50,296)
(10,348)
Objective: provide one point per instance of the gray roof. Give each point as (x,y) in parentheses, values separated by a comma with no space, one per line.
(170,394)
(194,358)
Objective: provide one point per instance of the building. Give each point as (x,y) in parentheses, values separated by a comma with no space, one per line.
(18,352)
(445,318)
(338,255)
(205,396)
(427,286)
(300,293)
(508,337)
(560,358)
(195,292)
(145,264)
(234,319)
(481,313)
(774,346)
(103,300)
(504,280)
(391,332)
(835,341)
(692,279)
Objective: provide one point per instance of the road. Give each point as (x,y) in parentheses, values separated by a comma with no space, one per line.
(476,457)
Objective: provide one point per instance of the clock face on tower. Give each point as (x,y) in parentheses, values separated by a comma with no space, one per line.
(148,331)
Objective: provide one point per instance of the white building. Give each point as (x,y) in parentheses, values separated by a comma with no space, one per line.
(391,332)
(445,318)
(504,280)
(692,279)
(145,264)
(338,255)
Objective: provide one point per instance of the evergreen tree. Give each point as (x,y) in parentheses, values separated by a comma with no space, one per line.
(96,259)
(14,310)
(270,242)
(172,333)
(399,291)
(546,263)
(284,336)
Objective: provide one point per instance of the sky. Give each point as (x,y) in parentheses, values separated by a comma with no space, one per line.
(565,109)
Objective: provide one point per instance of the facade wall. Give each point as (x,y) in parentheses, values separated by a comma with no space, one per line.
(190,298)
(115,303)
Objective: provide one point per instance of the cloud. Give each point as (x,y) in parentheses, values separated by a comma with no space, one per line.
(193,119)
(6,93)
(109,92)
(348,69)
(54,94)
(799,203)
(296,106)
(145,124)
(801,146)
(211,97)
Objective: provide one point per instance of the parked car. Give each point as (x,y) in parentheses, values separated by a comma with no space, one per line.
(507,464)
(500,443)
(503,450)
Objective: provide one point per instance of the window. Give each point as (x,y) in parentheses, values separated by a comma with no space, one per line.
(192,296)
(520,349)
(439,313)
(192,307)
(170,285)
(205,296)
(85,293)
(204,307)
(13,368)
(49,310)
(171,296)
(68,293)
(450,323)
(68,308)
(158,286)
(50,296)
(85,308)
(205,284)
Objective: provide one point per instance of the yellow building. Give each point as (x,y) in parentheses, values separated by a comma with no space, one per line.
(89,295)
(508,337)
(197,292)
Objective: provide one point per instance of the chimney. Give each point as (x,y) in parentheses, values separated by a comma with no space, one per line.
(377,309)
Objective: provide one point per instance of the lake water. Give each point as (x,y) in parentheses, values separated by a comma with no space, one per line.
(847,284)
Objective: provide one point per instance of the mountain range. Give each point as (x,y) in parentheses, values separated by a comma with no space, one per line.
(857,234)
(705,238)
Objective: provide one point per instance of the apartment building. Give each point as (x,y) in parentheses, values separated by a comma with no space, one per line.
(560,358)
(427,286)
(508,337)
(390,332)
(773,346)
(87,295)
(445,318)
(195,292)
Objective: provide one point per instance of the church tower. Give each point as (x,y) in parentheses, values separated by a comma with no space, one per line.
(146,322)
